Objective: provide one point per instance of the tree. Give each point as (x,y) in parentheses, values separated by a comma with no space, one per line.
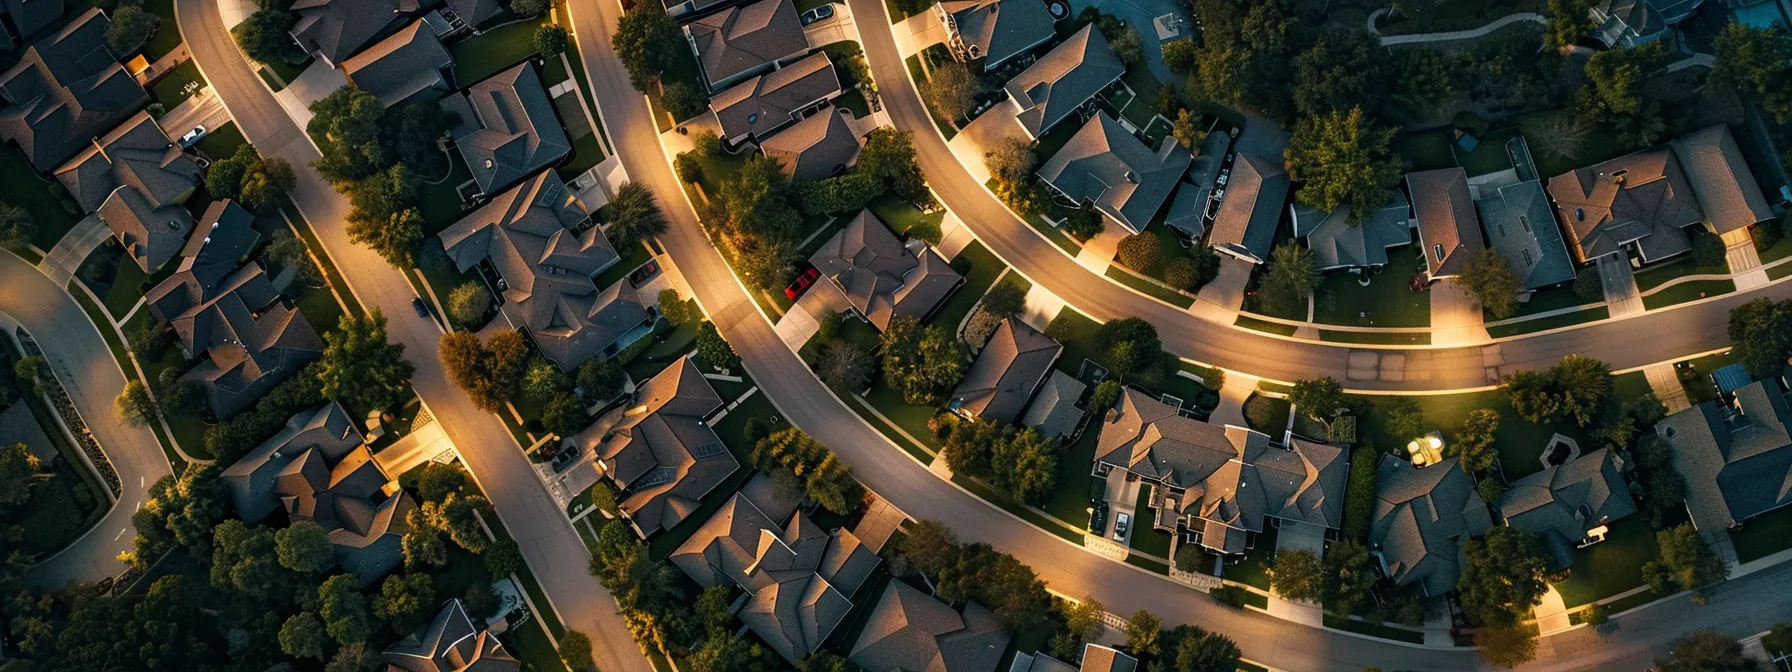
(16,228)
(353,657)
(1503,576)
(1708,251)
(1746,63)
(1779,639)
(1024,466)
(930,546)
(1289,281)
(1405,419)
(757,201)
(439,480)
(844,366)
(1490,279)
(303,636)
(266,181)
(889,157)
(343,609)
(405,600)
(1561,138)
(33,372)
(1474,442)
(1140,251)
(360,367)
(1010,161)
(135,405)
(951,90)
(689,170)
(673,307)
(529,7)
(1084,222)
(1340,71)
(600,379)
(1005,299)
(131,26)
(551,41)
(346,126)
(633,215)
(647,41)
(823,476)
(1583,383)
(1142,632)
(18,472)
(288,251)
(422,543)
(503,558)
(1614,94)
(1298,575)
(305,547)
(575,651)
(1320,398)
(1083,619)
(1506,645)
(714,350)
(468,303)
(1104,397)
(1568,20)
(487,372)
(1707,651)
(1761,335)
(1198,650)
(923,364)
(1185,131)
(1685,563)
(1342,160)
(382,218)
(1349,578)
(544,380)
(1422,83)
(458,515)
(1180,56)
(265,36)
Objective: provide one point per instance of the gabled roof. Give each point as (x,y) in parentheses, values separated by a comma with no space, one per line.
(1718,173)
(998,30)
(1520,225)
(745,38)
(135,155)
(1098,658)
(1562,502)
(762,104)
(1251,209)
(218,245)
(1188,212)
(65,90)
(337,29)
(476,12)
(1448,230)
(1048,91)
(662,454)
(1106,165)
(911,631)
(409,65)
(151,234)
(250,339)
(30,16)
(1337,244)
(1422,519)
(814,148)
(1013,363)
(451,643)
(508,129)
(882,277)
(1641,197)
(1053,411)
(1737,460)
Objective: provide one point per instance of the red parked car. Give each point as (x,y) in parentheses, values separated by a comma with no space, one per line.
(801,283)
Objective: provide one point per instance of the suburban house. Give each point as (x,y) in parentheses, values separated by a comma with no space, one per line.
(410,65)
(911,630)
(1720,177)
(1449,234)
(882,277)
(994,30)
(1011,366)
(1735,454)
(1423,518)
(211,254)
(1336,243)
(1569,505)
(1629,23)
(319,469)
(1250,210)
(475,13)
(64,91)
(1638,202)
(1521,226)
(1106,165)
(800,579)
(1189,211)
(138,182)
(532,242)
(334,30)
(758,107)
(1222,483)
(1096,658)
(30,16)
(814,148)
(661,454)
(745,40)
(1054,411)
(450,643)
(1055,86)
(507,129)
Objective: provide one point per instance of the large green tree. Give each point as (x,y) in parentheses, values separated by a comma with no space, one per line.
(305,547)
(1503,576)
(921,363)
(1707,651)
(1752,61)
(633,215)
(1289,280)
(1761,335)
(1298,575)
(1341,70)
(1685,563)
(344,609)
(648,42)
(382,215)
(361,367)
(1342,160)
(1489,278)
(346,127)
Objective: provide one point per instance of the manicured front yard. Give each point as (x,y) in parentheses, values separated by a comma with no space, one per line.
(1688,291)
(1162,293)
(1763,535)
(43,199)
(1611,566)
(1253,568)
(1698,384)
(221,142)
(980,268)
(487,54)
(178,85)
(1520,442)
(1551,322)
(1386,302)
(1657,274)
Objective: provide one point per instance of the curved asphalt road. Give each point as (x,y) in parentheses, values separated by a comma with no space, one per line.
(84,365)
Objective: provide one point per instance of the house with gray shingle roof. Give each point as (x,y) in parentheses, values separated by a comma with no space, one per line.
(535,238)
(800,579)
(758,107)
(882,277)
(250,339)
(1053,411)
(745,40)
(1250,211)
(1449,234)
(220,244)
(136,181)
(1633,23)
(334,30)
(1095,658)
(1055,86)
(1011,366)
(318,468)
(994,30)
(1220,482)
(1422,519)
(507,128)
(1106,165)
(1640,202)
(660,453)
(814,148)
(450,643)
(910,630)
(1721,178)
(1521,226)
(66,90)
(1337,244)
(410,65)
(30,16)
(1735,454)
(476,13)
(1564,504)
(1189,211)
(150,234)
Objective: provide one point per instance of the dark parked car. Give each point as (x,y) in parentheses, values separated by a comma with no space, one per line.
(642,273)
(1098,517)
(818,14)
(802,283)
(418,305)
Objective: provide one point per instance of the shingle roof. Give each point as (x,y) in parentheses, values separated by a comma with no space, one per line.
(1448,230)
(409,65)
(151,234)
(911,632)
(1422,519)
(222,241)
(1337,244)
(1048,91)
(882,277)
(997,30)
(1737,461)
(450,643)
(30,16)
(1251,209)
(1053,411)
(65,90)
(336,29)
(137,155)
(512,130)
(1562,502)
(250,340)
(1105,164)
(1013,363)
(1520,224)
(1718,173)
(765,103)
(1098,658)
(745,38)
(1641,197)
(476,12)
(1189,211)
(814,148)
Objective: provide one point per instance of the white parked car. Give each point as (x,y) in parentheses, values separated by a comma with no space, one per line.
(193,136)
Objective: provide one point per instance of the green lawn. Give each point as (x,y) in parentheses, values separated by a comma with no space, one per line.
(1657,274)
(177,85)
(1374,338)
(1142,109)
(632,258)
(902,217)
(439,202)
(1520,443)
(221,142)
(1275,417)
(167,36)
(1374,629)
(980,268)
(586,152)
(1763,535)
(1599,145)
(1611,566)
(124,291)
(1070,502)
(1700,389)
(1146,538)
(43,199)
(1688,291)
(1552,322)
(1162,293)
(1489,156)
(1386,302)
(684,69)
(1253,569)
(1424,150)
(1248,322)
(495,50)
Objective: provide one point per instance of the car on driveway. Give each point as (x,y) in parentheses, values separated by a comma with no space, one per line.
(193,136)
(1098,516)
(818,14)
(643,273)
(802,283)
(1122,521)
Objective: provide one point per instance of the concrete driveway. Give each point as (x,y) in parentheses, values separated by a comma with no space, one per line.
(986,131)
(840,28)
(916,33)
(312,85)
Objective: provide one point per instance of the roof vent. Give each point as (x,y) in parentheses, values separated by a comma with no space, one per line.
(488,163)
(207,241)
(174,225)
(214,225)
(1132,177)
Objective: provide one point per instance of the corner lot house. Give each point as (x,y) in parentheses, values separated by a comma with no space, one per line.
(137,181)
(1569,505)
(993,30)
(1449,234)
(758,107)
(318,469)
(1521,226)
(1055,86)
(450,643)
(410,65)
(1337,244)
(1735,454)
(661,454)
(882,277)
(1105,165)
(1639,203)
(1008,370)
(814,148)
(1423,517)
(66,89)
(1251,209)
(507,128)
(334,30)
(910,630)
(746,40)
(1221,483)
